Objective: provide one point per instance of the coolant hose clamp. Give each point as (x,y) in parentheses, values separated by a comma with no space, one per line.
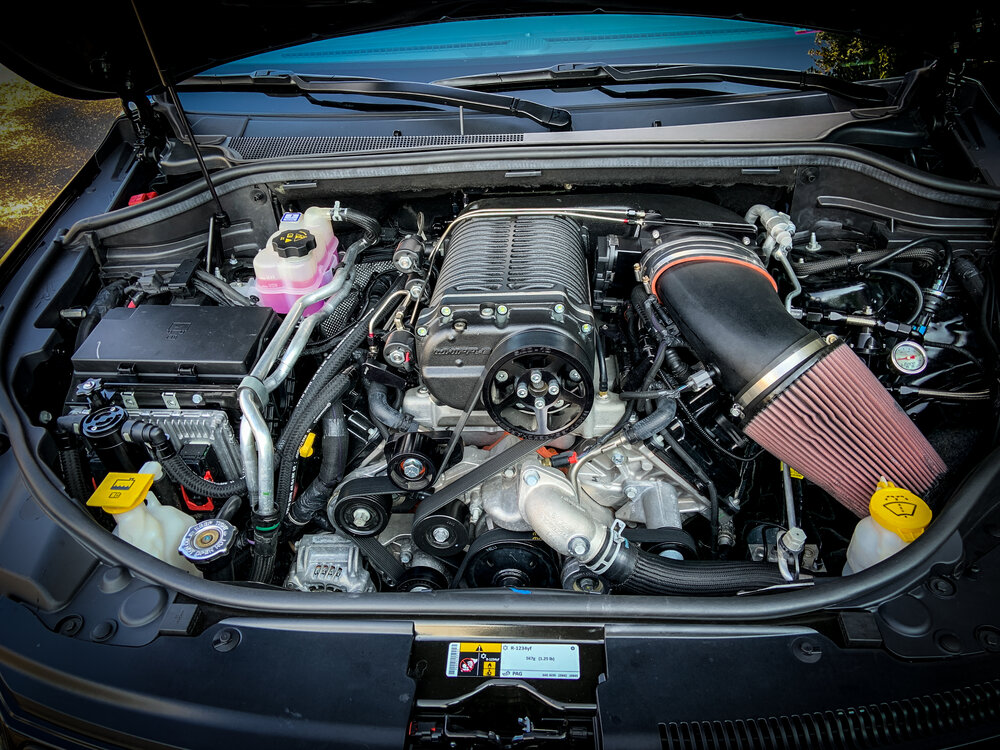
(609,551)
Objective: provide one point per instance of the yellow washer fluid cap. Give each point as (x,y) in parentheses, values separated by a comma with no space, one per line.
(121,491)
(899,511)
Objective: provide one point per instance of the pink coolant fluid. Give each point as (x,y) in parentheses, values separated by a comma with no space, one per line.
(298,259)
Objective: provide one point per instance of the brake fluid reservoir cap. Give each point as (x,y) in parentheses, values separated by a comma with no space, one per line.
(899,511)
(121,491)
(294,243)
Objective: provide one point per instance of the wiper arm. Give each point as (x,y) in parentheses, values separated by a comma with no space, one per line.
(576,74)
(280,81)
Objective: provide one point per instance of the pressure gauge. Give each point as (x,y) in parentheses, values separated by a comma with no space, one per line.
(908,357)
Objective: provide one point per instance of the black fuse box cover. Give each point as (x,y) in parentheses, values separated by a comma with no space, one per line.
(164,342)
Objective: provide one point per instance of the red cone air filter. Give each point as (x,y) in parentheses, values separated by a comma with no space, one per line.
(841,429)
(815,406)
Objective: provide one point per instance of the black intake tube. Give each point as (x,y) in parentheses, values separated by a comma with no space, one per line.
(639,572)
(726,307)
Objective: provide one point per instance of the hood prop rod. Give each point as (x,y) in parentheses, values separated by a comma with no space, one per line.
(221,217)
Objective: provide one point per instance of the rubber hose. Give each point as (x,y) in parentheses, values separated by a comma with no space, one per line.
(381,411)
(971,279)
(666,410)
(107,298)
(334,363)
(677,366)
(265,549)
(297,432)
(137,431)
(228,510)
(908,281)
(175,468)
(639,572)
(331,470)
(924,254)
(71,468)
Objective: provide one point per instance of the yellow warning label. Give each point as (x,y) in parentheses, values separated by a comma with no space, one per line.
(489,669)
(489,648)
(794,474)
(120,491)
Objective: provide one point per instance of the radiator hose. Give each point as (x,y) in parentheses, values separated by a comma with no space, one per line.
(639,572)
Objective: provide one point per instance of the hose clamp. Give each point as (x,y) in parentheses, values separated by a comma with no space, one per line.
(773,375)
(609,552)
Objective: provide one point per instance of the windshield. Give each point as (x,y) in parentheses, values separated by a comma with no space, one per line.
(455,53)
(442,50)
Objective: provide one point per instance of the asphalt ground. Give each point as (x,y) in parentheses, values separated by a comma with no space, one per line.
(44,140)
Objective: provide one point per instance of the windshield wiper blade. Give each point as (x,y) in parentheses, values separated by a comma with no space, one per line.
(577,74)
(280,81)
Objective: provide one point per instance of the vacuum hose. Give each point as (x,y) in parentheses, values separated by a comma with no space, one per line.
(816,406)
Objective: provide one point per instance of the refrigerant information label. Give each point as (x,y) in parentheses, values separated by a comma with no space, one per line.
(526,661)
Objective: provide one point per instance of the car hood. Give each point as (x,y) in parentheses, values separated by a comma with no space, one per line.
(89,54)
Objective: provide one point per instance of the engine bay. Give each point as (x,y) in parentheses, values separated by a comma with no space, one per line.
(599,391)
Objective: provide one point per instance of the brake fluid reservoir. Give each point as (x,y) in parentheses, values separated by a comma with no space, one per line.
(140,520)
(897,518)
(299,258)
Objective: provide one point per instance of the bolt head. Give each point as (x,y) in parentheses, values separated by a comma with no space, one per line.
(441,534)
(361,517)
(553,387)
(531,478)
(446,311)
(539,403)
(578,546)
(502,376)
(197,398)
(422,331)
(397,357)
(736,411)
(560,309)
(586,328)
(501,309)
(617,458)
(405,557)
(575,376)
(631,493)
(536,377)
(404,262)
(522,391)
(413,468)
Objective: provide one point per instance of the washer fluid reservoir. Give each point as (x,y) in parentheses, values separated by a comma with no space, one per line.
(299,258)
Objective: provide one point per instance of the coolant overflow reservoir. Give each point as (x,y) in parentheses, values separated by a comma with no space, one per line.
(298,259)
(897,518)
(140,520)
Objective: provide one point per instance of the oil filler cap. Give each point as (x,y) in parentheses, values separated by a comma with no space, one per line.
(294,243)
(899,511)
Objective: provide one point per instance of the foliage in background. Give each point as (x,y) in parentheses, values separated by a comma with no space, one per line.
(44,140)
(851,58)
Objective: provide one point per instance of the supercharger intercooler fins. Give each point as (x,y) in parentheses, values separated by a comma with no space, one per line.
(816,406)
